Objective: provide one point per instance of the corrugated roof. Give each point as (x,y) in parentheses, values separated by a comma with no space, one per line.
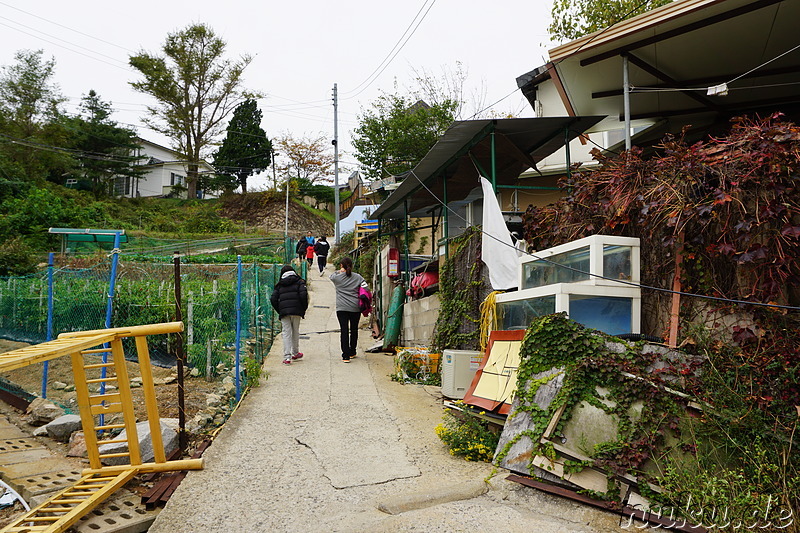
(465,146)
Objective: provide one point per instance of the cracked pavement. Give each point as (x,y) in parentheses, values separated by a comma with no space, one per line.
(321,444)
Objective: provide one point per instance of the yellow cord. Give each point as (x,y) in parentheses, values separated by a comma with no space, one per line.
(488,318)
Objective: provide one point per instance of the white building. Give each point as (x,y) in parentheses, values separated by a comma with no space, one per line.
(164,167)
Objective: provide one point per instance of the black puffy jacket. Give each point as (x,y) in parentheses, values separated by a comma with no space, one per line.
(290,296)
(321,248)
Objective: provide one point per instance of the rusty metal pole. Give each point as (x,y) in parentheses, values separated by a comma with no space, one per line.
(676,298)
(179,356)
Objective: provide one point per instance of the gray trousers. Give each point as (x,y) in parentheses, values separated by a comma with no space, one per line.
(290,325)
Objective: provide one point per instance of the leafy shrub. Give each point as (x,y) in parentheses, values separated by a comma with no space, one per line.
(16,258)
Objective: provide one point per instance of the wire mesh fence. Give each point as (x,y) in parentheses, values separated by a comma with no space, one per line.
(145,294)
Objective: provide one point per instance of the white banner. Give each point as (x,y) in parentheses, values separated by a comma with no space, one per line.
(497,249)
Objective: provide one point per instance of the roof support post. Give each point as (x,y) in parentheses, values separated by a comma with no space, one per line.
(567,158)
(494,159)
(626,99)
(380,276)
(406,272)
(446,218)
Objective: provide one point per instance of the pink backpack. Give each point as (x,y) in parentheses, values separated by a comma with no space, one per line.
(364,300)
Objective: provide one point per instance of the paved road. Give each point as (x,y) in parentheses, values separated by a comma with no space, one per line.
(321,445)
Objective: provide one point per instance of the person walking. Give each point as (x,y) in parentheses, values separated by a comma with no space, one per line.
(348,311)
(300,249)
(290,299)
(310,255)
(321,249)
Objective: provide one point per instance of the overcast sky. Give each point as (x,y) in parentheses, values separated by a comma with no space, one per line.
(300,50)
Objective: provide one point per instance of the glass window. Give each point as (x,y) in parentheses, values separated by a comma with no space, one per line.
(610,315)
(617,262)
(546,272)
(518,314)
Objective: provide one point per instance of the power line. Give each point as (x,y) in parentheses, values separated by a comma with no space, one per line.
(65,27)
(65,47)
(386,63)
(59,39)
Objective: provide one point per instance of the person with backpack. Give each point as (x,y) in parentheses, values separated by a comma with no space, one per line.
(300,249)
(290,300)
(348,310)
(321,249)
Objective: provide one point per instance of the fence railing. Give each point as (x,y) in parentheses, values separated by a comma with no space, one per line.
(225,307)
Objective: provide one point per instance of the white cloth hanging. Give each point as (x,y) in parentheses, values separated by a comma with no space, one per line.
(497,250)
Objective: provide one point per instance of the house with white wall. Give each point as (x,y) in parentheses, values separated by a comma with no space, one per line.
(164,168)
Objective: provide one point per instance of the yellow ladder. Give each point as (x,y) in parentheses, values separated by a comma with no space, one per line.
(107,403)
(67,507)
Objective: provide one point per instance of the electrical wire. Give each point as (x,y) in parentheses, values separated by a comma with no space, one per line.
(69,151)
(65,47)
(59,39)
(552,65)
(764,64)
(389,57)
(65,27)
(598,276)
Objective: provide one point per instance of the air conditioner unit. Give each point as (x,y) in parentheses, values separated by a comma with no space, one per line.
(458,369)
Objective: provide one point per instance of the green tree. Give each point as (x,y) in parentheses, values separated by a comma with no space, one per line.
(30,133)
(196,89)
(576,18)
(245,150)
(106,150)
(397,131)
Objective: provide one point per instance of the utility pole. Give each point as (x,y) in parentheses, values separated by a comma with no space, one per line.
(286,221)
(336,160)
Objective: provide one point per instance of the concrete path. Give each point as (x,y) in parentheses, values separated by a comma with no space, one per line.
(322,445)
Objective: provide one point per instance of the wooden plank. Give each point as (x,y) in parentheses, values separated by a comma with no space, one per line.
(77,508)
(48,350)
(106,409)
(150,402)
(169,466)
(129,417)
(625,511)
(129,331)
(85,410)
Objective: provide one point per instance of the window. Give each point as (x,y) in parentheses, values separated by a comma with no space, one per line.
(122,186)
(176,179)
(547,272)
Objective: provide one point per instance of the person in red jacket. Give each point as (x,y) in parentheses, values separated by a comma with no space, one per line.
(310,255)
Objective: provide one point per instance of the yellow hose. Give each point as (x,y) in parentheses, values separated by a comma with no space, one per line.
(488,318)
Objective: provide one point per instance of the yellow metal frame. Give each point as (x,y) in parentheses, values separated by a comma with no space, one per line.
(64,509)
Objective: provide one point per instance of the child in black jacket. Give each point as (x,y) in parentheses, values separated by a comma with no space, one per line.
(321,249)
(290,299)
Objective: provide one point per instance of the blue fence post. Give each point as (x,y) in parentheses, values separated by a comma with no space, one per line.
(50,261)
(112,283)
(238,323)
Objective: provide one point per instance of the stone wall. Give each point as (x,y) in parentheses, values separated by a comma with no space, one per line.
(419,319)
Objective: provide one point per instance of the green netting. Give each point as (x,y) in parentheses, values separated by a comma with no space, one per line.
(145,294)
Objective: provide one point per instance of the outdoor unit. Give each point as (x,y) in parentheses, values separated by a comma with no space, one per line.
(458,369)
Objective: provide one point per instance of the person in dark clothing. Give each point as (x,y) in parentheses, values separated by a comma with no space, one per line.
(290,299)
(321,249)
(300,250)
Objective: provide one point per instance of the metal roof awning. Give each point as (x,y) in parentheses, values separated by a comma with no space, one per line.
(466,150)
(678,54)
